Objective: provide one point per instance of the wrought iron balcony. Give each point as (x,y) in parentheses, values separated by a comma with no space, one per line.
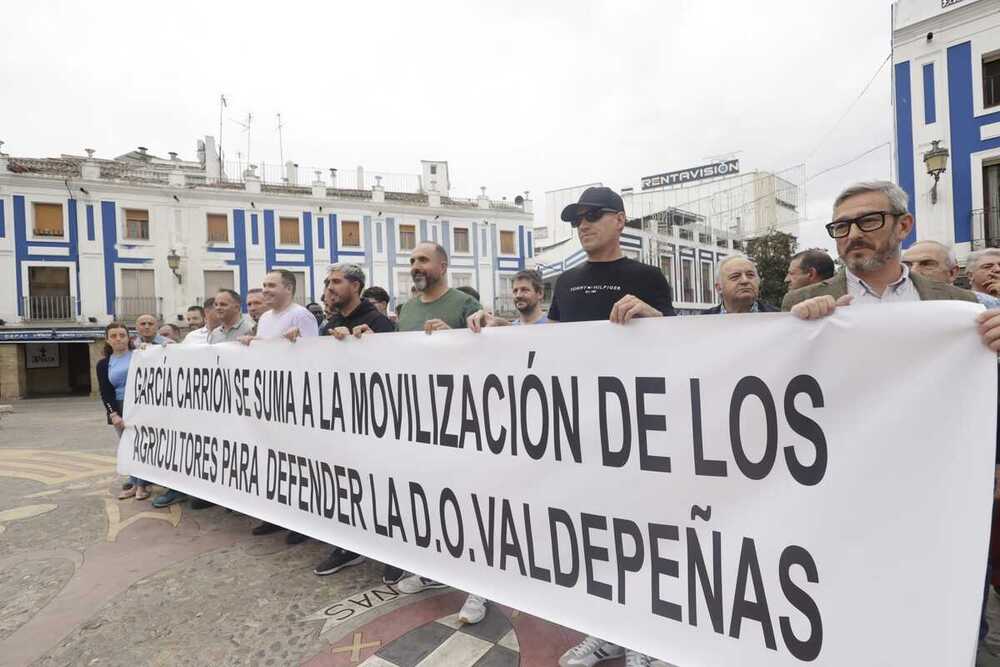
(128,308)
(48,308)
(985,227)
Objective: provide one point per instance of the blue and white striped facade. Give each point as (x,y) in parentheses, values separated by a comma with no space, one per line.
(938,94)
(95,252)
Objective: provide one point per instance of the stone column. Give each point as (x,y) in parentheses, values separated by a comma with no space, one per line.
(96,354)
(13,375)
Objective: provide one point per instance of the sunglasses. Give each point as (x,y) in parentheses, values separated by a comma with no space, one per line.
(592,215)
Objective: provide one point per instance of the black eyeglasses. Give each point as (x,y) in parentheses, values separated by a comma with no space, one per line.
(868,222)
(592,215)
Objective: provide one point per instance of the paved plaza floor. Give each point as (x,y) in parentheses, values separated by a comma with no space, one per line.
(86,579)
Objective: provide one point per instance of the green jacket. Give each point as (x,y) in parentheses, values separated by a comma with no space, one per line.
(929,290)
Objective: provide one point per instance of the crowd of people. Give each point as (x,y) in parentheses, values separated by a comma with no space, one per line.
(870,222)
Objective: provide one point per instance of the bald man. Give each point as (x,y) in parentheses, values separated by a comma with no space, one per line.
(937,261)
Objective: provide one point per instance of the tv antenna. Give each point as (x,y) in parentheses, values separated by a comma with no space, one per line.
(246,128)
(722,157)
(281,146)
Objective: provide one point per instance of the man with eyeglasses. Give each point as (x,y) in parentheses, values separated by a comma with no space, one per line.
(870,221)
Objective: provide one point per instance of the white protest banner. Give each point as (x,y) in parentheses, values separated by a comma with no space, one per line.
(739,490)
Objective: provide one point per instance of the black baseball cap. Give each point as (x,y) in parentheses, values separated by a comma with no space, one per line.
(599,198)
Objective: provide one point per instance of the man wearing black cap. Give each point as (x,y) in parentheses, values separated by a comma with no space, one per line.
(607,286)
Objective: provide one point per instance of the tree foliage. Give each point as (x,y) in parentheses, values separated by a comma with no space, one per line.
(772,253)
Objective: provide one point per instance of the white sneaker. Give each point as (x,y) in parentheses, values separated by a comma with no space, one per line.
(589,652)
(415,584)
(636,659)
(473,611)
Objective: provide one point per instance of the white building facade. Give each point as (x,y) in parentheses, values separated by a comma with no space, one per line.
(946,95)
(84,241)
(683,222)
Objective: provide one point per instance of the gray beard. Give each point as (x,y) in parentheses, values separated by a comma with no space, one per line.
(423,283)
(878,260)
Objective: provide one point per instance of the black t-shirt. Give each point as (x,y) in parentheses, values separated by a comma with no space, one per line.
(365,313)
(589,291)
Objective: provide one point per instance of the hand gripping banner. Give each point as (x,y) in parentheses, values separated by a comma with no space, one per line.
(712,491)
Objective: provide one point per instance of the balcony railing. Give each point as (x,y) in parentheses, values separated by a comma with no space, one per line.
(128,308)
(49,308)
(235,171)
(985,227)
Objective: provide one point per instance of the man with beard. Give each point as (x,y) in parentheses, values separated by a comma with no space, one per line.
(343,287)
(527,291)
(739,284)
(870,221)
(195,317)
(435,306)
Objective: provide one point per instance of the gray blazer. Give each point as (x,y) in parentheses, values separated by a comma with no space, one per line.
(929,290)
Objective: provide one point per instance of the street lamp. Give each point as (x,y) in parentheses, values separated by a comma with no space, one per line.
(936,161)
(174,262)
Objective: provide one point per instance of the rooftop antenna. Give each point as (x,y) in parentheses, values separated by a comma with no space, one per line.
(281,146)
(222,105)
(722,157)
(246,128)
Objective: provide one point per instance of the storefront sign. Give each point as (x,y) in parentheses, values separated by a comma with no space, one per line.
(41,355)
(713,170)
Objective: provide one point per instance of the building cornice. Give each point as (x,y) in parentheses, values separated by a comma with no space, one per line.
(243,199)
(942,22)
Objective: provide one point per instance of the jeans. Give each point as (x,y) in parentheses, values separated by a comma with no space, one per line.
(135,481)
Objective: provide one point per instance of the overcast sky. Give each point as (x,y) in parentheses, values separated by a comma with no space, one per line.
(516,96)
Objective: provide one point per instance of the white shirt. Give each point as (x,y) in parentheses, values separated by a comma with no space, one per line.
(899,291)
(273,324)
(198,337)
